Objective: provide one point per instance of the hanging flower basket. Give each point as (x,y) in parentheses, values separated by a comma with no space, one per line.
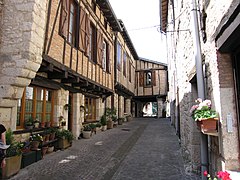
(206,118)
(208,125)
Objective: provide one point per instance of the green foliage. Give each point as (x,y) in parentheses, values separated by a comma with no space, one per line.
(65,134)
(111,114)
(103,120)
(204,114)
(92,126)
(87,128)
(29,121)
(36,137)
(15,147)
(98,125)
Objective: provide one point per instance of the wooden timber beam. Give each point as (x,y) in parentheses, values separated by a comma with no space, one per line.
(55,75)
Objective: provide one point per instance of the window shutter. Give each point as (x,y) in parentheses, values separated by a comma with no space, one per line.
(109,58)
(99,46)
(82,30)
(87,47)
(141,78)
(154,78)
(64,18)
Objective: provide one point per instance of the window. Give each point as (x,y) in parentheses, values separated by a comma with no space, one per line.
(124,63)
(92,44)
(148,78)
(90,109)
(119,55)
(68,21)
(36,103)
(104,55)
(94,5)
(130,72)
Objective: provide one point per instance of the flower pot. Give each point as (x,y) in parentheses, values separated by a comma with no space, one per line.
(12,167)
(46,137)
(50,149)
(52,136)
(34,145)
(209,125)
(87,134)
(36,125)
(44,150)
(120,121)
(48,124)
(63,143)
(29,126)
(129,118)
(104,128)
(109,124)
(42,124)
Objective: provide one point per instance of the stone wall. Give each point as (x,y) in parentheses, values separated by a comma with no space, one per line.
(218,79)
(22,27)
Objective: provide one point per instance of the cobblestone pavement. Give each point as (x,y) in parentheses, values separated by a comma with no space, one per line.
(142,149)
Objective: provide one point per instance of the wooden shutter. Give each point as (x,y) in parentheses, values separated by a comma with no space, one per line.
(64,18)
(87,36)
(109,58)
(99,46)
(153,78)
(141,78)
(82,30)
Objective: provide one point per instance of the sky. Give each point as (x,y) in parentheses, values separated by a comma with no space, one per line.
(141,18)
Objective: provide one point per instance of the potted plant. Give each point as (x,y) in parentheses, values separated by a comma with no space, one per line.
(120,120)
(36,123)
(110,116)
(67,106)
(98,126)
(62,121)
(35,140)
(129,117)
(48,123)
(65,138)
(13,156)
(103,122)
(93,128)
(87,131)
(205,117)
(52,132)
(29,123)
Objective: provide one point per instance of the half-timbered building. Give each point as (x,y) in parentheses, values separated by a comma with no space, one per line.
(70,59)
(124,66)
(151,87)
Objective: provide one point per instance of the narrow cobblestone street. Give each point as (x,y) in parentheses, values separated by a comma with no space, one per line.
(142,149)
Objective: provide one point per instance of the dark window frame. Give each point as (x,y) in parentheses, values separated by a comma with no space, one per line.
(70,37)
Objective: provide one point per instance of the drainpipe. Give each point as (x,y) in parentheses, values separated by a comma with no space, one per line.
(200,84)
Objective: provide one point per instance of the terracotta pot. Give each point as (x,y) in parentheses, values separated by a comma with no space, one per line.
(34,145)
(209,125)
(52,136)
(44,150)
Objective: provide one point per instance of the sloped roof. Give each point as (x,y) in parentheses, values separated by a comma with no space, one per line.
(109,14)
(163,14)
(152,61)
(127,39)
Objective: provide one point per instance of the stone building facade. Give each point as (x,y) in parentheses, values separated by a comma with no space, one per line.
(218,26)
(59,59)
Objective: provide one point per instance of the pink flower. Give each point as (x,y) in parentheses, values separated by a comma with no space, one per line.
(193,108)
(205,173)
